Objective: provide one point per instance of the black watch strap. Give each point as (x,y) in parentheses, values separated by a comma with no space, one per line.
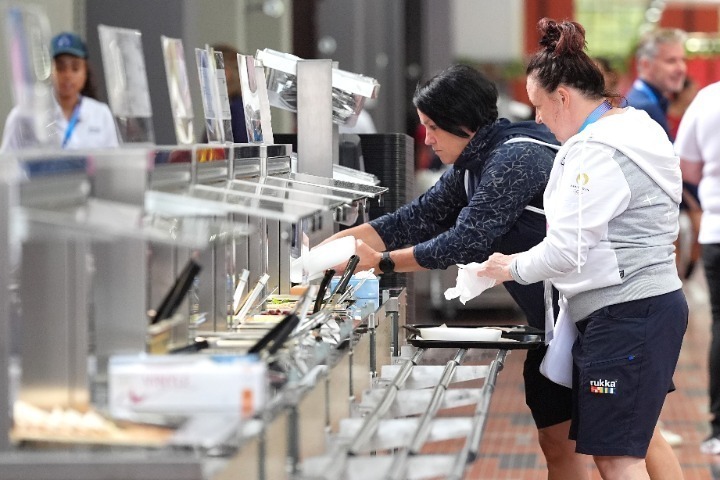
(387,265)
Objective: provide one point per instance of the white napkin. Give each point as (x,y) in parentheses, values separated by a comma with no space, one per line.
(468,334)
(557,365)
(313,262)
(468,284)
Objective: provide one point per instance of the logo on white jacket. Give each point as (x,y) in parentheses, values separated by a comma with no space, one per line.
(603,386)
(581,181)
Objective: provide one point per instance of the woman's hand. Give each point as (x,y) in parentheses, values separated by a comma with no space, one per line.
(496,267)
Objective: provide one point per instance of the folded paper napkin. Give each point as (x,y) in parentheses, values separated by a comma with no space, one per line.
(468,284)
(472,334)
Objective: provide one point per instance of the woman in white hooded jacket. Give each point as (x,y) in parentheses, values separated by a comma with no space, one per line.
(611,206)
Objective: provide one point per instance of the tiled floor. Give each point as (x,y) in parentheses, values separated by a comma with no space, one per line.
(509,447)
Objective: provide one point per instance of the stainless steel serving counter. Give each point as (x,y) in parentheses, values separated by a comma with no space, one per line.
(297,423)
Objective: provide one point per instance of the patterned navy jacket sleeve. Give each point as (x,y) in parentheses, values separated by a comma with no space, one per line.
(432,213)
(445,229)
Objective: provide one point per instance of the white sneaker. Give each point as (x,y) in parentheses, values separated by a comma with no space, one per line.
(673,439)
(711,446)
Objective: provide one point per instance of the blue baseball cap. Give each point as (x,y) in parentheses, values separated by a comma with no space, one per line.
(68,43)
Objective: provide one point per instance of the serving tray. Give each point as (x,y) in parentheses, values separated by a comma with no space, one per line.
(513,337)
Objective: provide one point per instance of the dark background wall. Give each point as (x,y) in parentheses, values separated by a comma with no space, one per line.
(389,41)
(152,19)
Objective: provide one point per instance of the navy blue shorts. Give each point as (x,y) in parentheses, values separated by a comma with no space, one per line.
(624,361)
(549,402)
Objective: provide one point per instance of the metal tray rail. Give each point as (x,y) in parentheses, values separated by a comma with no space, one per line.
(361,455)
(469,452)
(399,465)
(338,468)
(368,429)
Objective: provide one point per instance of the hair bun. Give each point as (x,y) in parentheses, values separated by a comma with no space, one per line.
(549,34)
(561,38)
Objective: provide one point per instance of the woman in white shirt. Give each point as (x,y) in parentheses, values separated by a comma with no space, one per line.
(77,120)
(611,206)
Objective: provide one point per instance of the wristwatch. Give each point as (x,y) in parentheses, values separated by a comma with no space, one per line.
(386,263)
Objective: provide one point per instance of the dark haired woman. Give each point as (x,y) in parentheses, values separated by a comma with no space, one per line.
(79,120)
(612,210)
(488,201)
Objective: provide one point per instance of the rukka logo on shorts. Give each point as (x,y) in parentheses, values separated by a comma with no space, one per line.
(603,386)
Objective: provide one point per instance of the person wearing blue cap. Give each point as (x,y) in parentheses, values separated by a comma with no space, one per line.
(79,120)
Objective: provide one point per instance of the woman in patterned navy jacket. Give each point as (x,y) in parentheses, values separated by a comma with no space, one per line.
(489,201)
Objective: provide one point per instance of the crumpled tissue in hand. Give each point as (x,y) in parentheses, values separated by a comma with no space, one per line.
(468,284)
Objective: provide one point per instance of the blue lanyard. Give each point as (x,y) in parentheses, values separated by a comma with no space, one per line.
(599,111)
(642,86)
(72,123)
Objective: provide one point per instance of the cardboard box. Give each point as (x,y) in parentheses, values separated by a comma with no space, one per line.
(185,385)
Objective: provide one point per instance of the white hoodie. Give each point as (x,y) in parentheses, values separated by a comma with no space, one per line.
(612,210)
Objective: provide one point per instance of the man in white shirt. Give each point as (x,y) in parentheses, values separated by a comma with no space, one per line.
(698,146)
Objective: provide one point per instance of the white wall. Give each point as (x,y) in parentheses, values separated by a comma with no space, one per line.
(487,30)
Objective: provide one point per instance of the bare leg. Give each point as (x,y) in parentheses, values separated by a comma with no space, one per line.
(662,464)
(562,461)
(621,468)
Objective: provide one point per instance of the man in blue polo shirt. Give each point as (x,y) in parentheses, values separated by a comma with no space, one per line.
(661,70)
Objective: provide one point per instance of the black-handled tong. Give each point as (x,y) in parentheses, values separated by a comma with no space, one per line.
(274,334)
(175,296)
(196,346)
(277,335)
(346,275)
(324,284)
(284,332)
